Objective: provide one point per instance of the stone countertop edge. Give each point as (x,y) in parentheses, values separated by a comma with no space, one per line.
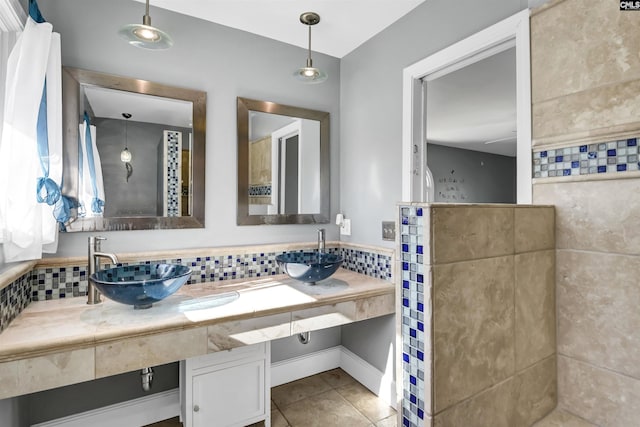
(71,325)
(11,272)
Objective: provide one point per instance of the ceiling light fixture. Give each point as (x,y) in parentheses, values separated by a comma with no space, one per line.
(310,74)
(144,35)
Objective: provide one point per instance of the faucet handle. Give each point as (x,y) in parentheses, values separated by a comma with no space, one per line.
(100,238)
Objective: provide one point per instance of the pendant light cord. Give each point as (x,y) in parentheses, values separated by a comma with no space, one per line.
(309,60)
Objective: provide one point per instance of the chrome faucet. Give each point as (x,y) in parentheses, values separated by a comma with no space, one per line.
(321,240)
(93,295)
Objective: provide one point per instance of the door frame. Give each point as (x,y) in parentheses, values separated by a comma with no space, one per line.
(512,31)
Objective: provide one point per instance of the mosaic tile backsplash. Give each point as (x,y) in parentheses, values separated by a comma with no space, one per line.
(413,336)
(13,299)
(604,157)
(67,282)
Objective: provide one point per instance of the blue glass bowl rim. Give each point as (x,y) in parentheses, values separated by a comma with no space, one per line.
(332,258)
(94,276)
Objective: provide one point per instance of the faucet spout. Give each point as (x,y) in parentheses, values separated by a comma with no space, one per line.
(93,295)
(112,257)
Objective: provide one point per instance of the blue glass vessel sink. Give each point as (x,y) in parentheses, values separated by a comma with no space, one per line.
(310,267)
(141,285)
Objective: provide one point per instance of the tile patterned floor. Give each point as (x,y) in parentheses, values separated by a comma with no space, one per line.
(332,398)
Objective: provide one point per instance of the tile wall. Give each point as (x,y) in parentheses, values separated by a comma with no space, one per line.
(477,314)
(586,91)
(14,298)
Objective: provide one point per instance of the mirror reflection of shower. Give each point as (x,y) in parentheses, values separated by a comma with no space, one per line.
(125,155)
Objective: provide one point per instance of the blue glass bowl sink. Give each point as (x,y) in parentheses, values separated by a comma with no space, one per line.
(141,285)
(310,267)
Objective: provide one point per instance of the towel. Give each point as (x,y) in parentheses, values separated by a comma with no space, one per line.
(91,187)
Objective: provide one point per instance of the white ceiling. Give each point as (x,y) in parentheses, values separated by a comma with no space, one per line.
(474,108)
(344,24)
(110,103)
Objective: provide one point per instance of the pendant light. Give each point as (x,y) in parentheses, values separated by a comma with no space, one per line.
(144,35)
(125,155)
(310,74)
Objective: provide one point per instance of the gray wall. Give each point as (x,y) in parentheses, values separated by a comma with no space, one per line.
(371,104)
(139,195)
(287,348)
(225,63)
(371,127)
(465,176)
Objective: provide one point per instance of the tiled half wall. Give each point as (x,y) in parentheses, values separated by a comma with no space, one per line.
(477,314)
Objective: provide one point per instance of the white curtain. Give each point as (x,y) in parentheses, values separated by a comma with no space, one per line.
(28,227)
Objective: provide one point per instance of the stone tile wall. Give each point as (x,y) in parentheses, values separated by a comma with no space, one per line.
(484,350)
(585,80)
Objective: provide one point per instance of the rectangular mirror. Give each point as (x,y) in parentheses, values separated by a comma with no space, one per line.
(283,164)
(150,141)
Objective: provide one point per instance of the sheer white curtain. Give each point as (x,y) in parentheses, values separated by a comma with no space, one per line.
(12,18)
(31,144)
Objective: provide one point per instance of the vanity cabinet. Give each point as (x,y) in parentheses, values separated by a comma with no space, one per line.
(226,389)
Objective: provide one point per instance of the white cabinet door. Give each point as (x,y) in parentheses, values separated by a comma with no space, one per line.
(228,388)
(229,396)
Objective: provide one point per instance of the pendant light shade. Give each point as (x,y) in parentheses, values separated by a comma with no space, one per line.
(310,74)
(144,35)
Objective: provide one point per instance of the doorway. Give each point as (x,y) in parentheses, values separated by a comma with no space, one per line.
(418,184)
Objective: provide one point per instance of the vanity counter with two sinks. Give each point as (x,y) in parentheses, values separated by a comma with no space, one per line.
(65,341)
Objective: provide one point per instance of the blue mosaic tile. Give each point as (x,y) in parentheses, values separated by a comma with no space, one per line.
(413,337)
(606,157)
(14,298)
(67,282)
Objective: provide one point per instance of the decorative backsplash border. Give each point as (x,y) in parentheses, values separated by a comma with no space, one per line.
(587,159)
(67,282)
(14,298)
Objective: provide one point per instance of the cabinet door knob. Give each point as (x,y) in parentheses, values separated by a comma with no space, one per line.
(196,408)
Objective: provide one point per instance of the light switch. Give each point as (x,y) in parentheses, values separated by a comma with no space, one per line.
(388,230)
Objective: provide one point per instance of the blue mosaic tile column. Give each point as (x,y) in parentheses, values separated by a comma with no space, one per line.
(412,238)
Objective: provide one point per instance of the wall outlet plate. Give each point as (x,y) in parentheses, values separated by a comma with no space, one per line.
(345,228)
(388,230)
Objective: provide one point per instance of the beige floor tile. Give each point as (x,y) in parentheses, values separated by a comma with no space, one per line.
(291,392)
(328,409)
(337,378)
(388,422)
(277,419)
(366,402)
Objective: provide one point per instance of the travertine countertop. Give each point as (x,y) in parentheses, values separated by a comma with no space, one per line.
(61,342)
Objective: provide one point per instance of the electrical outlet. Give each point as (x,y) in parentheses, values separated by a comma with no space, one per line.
(388,230)
(345,228)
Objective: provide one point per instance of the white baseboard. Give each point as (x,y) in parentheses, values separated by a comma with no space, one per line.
(366,374)
(380,383)
(165,405)
(295,368)
(132,413)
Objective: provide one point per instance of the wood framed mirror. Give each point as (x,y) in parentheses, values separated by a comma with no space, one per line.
(283,164)
(162,185)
